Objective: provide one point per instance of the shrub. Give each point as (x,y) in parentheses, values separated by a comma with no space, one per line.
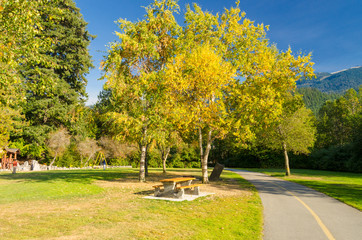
(335,158)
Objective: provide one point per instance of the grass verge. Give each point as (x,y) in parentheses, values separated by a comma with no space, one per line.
(97,204)
(346,187)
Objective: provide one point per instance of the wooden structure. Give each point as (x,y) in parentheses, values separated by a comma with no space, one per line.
(176,187)
(9,157)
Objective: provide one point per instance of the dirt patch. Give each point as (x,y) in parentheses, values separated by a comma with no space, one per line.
(221,188)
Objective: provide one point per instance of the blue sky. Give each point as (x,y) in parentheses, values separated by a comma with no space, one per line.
(330,29)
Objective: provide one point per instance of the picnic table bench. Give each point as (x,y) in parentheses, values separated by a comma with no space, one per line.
(176,187)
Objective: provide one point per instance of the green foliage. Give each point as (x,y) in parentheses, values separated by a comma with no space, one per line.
(83,122)
(120,161)
(339,134)
(70,158)
(252,157)
(133,68)
(294,132)
(188,157)
(338,119)
(333,158)
(55,86)
(18,27)
(43,60)
(67,58)
(295,129)
(153,159)
(314,98)
(356,161)
(200,63)
(29,151)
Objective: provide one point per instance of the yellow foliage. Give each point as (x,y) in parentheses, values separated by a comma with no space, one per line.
(196,81)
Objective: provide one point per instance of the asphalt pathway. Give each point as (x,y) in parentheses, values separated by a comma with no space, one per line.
(292,211)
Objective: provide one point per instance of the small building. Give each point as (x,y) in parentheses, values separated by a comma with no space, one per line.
(9,157)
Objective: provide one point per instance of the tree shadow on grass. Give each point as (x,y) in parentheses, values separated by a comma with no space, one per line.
(79,176)
(90,175)
(226,183)
(145,193)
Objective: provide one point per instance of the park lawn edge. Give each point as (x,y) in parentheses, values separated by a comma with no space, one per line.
(331,183)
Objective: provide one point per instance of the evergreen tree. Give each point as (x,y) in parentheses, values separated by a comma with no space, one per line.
(314,98)
(18,26)
(338,120)
(56,86)
(339,134)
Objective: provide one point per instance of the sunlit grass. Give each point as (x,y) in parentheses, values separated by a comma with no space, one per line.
(346,187)
(52,185)
(97,204)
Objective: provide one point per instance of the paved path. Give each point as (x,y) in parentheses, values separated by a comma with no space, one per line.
(292,211)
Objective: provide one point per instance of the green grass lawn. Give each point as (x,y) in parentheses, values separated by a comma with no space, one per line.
(346,187)
(97,204)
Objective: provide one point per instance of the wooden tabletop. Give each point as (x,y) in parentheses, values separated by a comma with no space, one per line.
(180,179)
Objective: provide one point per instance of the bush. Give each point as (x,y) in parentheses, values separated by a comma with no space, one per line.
(70,157)
(356,160)
(301,161)
(28,150)
(187,157)
(154,159)
(336,158)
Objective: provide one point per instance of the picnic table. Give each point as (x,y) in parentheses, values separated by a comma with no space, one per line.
(176,187)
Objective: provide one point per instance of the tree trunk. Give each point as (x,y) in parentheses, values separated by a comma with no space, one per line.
(200,146)
(146,161)
(143,147)
(205,177)
(52,162)
(81,161)
(85,164)
(142,175)
(287,170)
(164,158)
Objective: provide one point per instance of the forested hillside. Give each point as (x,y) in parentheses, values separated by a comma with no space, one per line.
(314,98)
(335,82)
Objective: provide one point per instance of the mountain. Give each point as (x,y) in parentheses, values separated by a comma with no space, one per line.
(314,99)
(335,82)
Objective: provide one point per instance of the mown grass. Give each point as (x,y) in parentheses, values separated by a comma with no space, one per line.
(97,204)
(346,187)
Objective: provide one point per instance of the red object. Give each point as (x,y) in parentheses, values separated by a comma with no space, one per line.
(15,164)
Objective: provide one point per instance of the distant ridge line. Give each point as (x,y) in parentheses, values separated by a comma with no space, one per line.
(345,69)
(337,82)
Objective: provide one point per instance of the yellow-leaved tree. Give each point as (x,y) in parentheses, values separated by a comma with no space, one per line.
(228,78)
(217,75)
(133,70)
(197,81)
